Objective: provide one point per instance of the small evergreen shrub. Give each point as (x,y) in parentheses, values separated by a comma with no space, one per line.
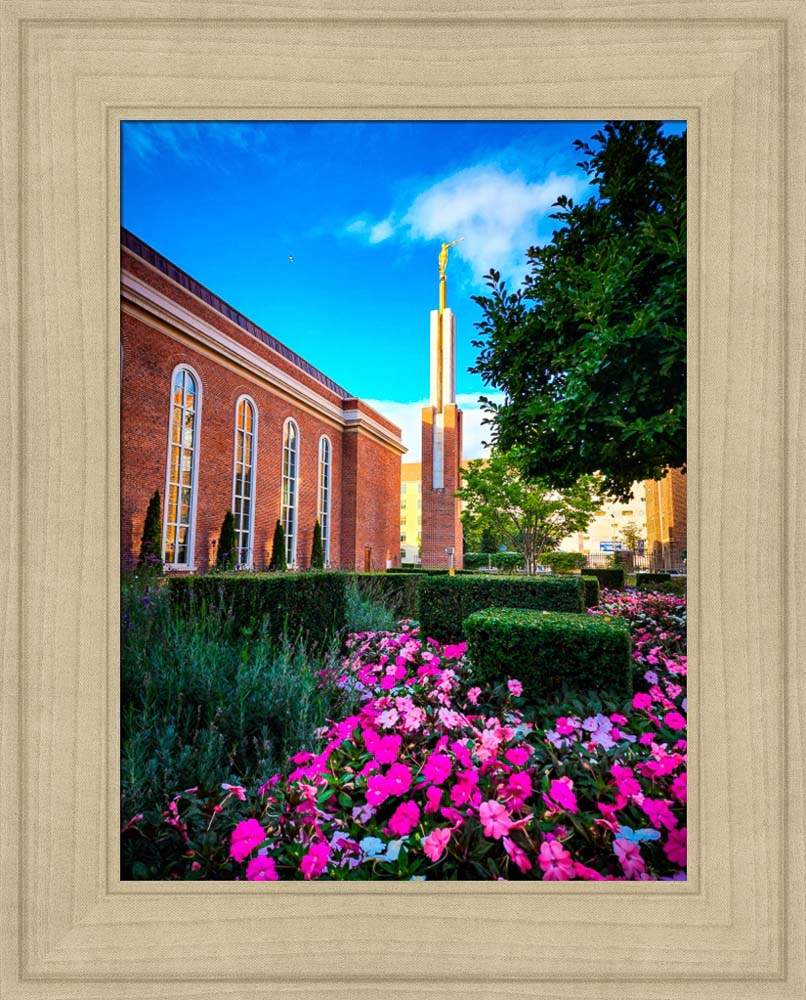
(609,579)
(563,562)
(676,586)
(592,591)
(649,581)
(397,591)
(506,561)
(278,561)
(317,549)
(443,603)
(151,542)
(312,605)
(550,651)
(226,553)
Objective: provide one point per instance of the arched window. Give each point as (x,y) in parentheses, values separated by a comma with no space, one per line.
(180,486)
(324,494)
(243,481)
(288,512)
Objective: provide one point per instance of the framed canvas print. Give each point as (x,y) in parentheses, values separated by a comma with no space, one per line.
(73,75)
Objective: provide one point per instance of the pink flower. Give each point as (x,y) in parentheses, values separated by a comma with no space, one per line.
(518,756)
(641,700)
(236,790)
(515,688)
(433,798)
(680,787)
(561,792)
(659,813)
(473,695)
(518,855)
(675,847)
(377,792)
(437,768)
(519,788)
(247,835)
(398,779)
(261,869)
(555,862)
(404,818)
(674,720)
(315,861)
(435,843)
(629,854)
(494,819)
(628,785)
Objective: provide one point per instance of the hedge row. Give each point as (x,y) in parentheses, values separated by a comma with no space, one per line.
(398,591)
(649,581)
(313,605)
(563,562)
(443,603)
(592,591)
(549,651)
(609,579)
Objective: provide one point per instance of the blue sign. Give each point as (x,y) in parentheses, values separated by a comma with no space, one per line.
(610,546)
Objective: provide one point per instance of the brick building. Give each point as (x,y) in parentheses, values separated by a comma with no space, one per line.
(218,415)
(666,521)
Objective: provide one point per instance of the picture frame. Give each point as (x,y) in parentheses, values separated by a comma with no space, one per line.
(71,71)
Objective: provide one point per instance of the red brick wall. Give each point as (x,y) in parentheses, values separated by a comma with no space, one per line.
(442,527)
(365,476)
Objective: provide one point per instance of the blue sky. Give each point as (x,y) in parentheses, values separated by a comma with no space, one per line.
(362,208)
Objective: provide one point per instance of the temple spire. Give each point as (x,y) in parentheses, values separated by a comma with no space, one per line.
(443,265)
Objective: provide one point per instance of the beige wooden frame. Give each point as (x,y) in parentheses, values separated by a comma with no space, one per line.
(71,69)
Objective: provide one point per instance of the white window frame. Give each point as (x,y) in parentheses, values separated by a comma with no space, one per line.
(290,537)
(194,471)
(320,509)
(248,401)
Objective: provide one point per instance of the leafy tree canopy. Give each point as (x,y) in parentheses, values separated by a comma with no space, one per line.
(590,352)
(529,514)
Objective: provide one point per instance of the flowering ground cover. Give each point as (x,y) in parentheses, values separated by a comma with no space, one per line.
(434,777)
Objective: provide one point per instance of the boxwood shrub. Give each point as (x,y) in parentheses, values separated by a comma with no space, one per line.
(649,581)
(548,651)
(309,604)
(609,579)
(443,603)
(592,591)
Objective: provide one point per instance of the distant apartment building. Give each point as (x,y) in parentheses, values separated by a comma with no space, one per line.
(605,533)
(411,511)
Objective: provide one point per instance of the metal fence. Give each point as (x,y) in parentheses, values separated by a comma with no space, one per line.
(640,562)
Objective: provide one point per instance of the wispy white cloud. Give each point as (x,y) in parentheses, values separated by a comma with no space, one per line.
(499,213)
(191,140)
(408,417)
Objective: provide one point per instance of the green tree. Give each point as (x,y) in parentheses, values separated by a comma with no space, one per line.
(528,513)
(317,548)
(631,536)
(590,352)
(278,559)
(150,559)
(488,543)
(227,554)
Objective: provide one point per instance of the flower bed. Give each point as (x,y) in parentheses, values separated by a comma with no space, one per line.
(434,778)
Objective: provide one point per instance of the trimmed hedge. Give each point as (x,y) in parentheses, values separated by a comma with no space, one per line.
(647,581)
(311,604)
(443,603)
(592,591)
(677,586)
(609,579)
(548,650)
(506,561)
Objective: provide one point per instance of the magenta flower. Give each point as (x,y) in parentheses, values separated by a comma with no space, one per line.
(495,819)
(641,700)
(437,768)
(680,787)
(315,861)
(398,779)
(377,792)
(561,791)
(261,869)
(518,755)
(555,862)
(473,695)
(433,797)
(404,818)
(659,813)
(674,720)
(247,835)
(675,847)
(515,687)
(435,843)
(518,855)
